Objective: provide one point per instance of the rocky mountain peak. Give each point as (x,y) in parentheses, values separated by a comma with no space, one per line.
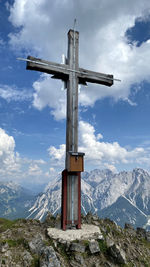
(140,172)
(123,197)
(32,243)
(101,190)
(94,177)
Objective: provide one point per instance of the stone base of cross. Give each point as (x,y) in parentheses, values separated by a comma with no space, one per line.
(72,75)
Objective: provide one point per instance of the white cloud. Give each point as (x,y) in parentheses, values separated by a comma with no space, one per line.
(19,169)
(52,173)
(57,155)
(9,159)
(51,169)
(48,94)
(13,94)
(99,136)
(34,170)
(42,27)
(110,167)
(104,152)
(97,153)
(31,17)
(100,154)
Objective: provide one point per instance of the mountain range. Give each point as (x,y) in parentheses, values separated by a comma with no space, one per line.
(15,200)
(122,197)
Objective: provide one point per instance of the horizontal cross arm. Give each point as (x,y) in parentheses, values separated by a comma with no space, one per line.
(95,77)
(62,71)
(48,67)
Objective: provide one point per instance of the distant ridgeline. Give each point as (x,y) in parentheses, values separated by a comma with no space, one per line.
(14,200)
(123,197)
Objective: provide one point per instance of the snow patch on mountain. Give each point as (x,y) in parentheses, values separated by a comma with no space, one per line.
(135,206)
(101,189)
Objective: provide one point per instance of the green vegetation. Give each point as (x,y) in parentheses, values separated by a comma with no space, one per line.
(6,224)
(11,243)
(145,262)
(146,243)
(128,265)
(102,246)
(49,242)
(62,250)
(35,262)
(85,242)
(19,233)
(15,243)
(3,261)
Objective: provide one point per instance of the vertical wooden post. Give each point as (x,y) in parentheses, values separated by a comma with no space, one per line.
(70,200)
(72,94)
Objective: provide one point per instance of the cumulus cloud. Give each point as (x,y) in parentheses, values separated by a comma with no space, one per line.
(98,153)
(34,170)
(9,159)
(41,29)
(48,94)
(52,173)
(20,169)
(57,155)
(102,26)
(11,93)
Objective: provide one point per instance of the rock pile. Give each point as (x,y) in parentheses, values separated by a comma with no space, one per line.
(30,243)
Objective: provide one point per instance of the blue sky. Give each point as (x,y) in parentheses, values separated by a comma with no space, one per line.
(114,128)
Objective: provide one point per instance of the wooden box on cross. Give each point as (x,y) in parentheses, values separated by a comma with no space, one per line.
(75,161)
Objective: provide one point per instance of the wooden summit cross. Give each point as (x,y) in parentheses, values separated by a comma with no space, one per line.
(72,74)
